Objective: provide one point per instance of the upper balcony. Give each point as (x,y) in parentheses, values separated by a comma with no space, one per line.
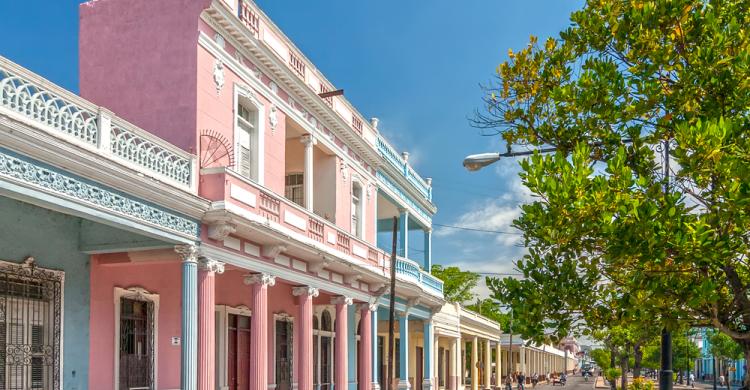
(27,97)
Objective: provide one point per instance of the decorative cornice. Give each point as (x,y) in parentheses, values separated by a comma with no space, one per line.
(210,265)
(188,253)
(308,140)
(306,291)
(220,230)
(318,266)
(260,278)
(273,250)
(341,300)
(45,178)
(367,306)
(351,278)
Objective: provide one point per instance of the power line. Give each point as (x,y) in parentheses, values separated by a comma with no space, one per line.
(476,229)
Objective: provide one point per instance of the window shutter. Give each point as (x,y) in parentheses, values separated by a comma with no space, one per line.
(245,161)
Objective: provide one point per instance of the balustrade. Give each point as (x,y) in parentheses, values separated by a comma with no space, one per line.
(343,243)
(316,229)
(66,115)
(269,206)
(249,18)
(297,65)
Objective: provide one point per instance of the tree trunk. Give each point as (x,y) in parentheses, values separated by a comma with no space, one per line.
(637,358)
(624,368)
(612,364)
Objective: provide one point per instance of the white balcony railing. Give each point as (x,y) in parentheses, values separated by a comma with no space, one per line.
(63,114)
(411,270)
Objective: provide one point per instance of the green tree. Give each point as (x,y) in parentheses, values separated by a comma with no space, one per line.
(724,348)
(624,80)
(601,358)
(458,285)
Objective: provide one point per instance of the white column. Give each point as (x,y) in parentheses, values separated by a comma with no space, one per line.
(309,141)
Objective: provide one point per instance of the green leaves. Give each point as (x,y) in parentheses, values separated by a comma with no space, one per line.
(458,285)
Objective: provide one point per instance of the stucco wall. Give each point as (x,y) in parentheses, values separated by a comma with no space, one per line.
(52,239)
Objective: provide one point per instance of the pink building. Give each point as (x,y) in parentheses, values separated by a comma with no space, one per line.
(287,286)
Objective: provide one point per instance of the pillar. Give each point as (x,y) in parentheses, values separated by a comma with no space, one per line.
(428,250)
(351,334)
(341,346)
(453,380)
(403,233)
(403,334)
(303,363)
(366,345)
(375,362)
(189,356)
(498,364)
(309,141)
(487,365)
(522,359)
(475,363)
(207,270)
(429,352)
(259,325)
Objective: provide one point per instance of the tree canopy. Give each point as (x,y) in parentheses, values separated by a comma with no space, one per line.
(620,230)
(458,285)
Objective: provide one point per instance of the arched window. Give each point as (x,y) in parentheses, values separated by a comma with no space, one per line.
(316,325)
(248,135)
(326,321)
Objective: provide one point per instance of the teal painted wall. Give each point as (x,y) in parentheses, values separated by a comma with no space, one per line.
(52,239)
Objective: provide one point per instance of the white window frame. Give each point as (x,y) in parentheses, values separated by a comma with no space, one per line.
(318,312)
(282,316)
(141,294)
(302,187)
(360,228)
(244,92)
(222,340)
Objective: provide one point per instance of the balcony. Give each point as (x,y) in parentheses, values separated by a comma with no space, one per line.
(403,167)
(411,271)
(27,97)
(284,215)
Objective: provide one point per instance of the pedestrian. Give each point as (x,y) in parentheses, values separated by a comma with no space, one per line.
(692,379)
(521,381)
(721,379)
(509,381)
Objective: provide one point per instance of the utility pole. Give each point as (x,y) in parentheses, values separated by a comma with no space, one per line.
(392,310)
(665,374)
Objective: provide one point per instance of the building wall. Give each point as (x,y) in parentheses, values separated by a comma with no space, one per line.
(163,278)
(52,239)
(137,58)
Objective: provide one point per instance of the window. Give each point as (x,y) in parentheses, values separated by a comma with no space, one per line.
(295,189)
(323,349)
(30,326)
(247,140)
(357,210)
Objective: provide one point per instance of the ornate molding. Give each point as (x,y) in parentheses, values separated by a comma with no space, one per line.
(218,75)
(273,250)
(305,290)
(220,230)
(351,278)
(260,278)
(344,168)
(188,253)
(308,140)
(210,265)
(367,306)
(318,266)
(84,191)
(273,118)
(341,300)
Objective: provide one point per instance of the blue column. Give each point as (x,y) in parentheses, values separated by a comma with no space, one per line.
(403,333)
(428,250)
(429,340)
(352,350)
(403,234)
(375,362)
(189,369)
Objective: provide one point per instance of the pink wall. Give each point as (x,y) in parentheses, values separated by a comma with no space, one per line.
(158,278)
(137,57)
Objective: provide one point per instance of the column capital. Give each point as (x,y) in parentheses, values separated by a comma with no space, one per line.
(308,140)
(305,291)
(341,300)
(188,253)
(260,278)
(371,306)
(210,265)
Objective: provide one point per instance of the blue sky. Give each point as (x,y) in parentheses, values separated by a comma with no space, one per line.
(416,65)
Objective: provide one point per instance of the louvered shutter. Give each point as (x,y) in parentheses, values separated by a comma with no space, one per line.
(245,161)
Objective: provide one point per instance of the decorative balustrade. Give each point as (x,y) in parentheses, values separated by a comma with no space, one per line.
(410,269)
(297,65)
(64,114)
(316,229)
(329,100)
(269,207)
(343,243)
(249,18)
(357,123)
